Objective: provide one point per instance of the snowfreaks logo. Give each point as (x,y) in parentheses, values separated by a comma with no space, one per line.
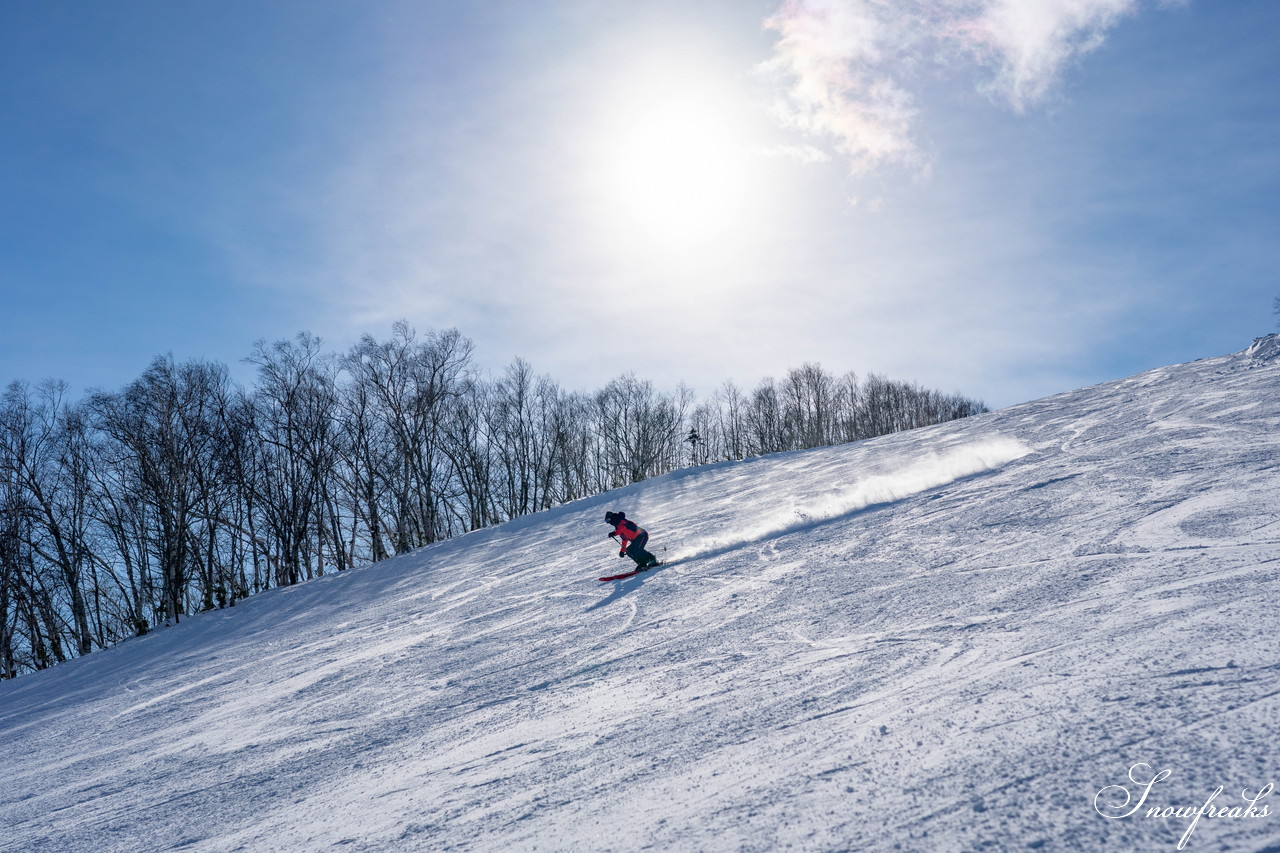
(1116,802)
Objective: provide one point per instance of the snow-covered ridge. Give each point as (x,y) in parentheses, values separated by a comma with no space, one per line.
(951,639)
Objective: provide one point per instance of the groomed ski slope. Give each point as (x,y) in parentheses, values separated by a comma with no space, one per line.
(950,639)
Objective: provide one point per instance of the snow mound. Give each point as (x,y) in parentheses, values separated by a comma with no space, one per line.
(1265,349)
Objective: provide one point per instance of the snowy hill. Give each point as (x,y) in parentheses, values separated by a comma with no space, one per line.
(949,639)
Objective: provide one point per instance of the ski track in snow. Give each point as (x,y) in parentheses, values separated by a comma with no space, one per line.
(949,639)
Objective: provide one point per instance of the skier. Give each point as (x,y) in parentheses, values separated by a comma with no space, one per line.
(632,538)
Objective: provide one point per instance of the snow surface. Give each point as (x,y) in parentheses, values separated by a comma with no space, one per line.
(1265,349)
(949,639)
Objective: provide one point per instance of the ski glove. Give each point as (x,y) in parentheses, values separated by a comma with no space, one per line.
(622,553)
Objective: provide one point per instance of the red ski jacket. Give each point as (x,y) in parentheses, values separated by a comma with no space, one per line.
(628,530)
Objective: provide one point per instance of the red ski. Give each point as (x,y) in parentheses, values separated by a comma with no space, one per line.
(620,577)
(631,573)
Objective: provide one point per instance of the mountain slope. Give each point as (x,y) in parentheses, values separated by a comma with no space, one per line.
(947,639)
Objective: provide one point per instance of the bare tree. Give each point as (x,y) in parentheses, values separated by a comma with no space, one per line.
(293,404)
(810,394)
(575,459)
(162,431)
(47,458)
(413,384)
(468,443)
(523,433)
(768,427)
(14,513)
(366,449)
(640,429)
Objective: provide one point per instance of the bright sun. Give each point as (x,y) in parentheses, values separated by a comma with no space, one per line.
(669,161)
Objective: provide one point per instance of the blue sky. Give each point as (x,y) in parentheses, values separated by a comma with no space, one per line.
(1007,199)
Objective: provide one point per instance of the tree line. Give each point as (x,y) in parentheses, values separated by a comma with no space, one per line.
(184,491)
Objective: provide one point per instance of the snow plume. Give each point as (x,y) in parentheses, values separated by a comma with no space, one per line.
(844,66)
(921,474)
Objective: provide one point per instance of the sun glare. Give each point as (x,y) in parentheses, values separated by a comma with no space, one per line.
(670,163)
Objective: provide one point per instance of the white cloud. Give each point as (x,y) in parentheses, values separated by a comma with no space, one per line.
(847,67)
(1030,43)
(835,58)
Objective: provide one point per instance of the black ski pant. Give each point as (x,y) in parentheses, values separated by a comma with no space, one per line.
(637,552)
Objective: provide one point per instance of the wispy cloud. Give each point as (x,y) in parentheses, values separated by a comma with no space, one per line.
(836,59)
(847,68)
(1030,43)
